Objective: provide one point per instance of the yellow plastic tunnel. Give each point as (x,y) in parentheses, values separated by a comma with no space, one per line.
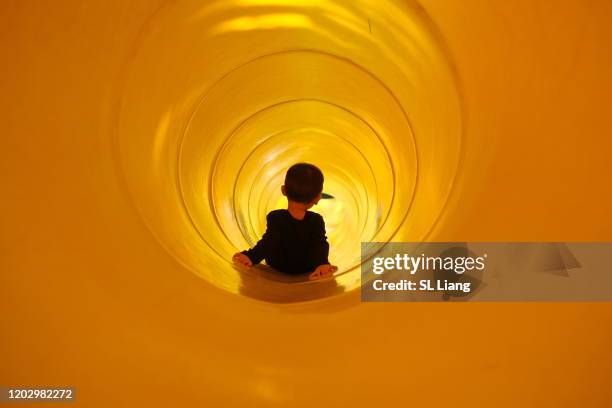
(145,141)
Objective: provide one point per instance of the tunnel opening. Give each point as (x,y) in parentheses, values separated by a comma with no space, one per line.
(219,100)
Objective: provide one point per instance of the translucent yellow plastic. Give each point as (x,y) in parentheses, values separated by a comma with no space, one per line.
(145,141)
(379,112)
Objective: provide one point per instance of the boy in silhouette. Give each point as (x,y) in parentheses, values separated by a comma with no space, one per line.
(295,241)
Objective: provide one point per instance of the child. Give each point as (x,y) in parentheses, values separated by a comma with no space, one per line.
(295,241)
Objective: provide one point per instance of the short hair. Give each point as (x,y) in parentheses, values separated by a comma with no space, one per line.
(303,182)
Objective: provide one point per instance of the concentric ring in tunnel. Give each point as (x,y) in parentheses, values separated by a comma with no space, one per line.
(312,123)
(205,159)
(257,163)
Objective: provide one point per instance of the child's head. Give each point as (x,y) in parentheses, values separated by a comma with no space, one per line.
(303,184)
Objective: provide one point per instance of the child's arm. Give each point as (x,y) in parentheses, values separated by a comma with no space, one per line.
(266,244)
(320,253)
(320,246)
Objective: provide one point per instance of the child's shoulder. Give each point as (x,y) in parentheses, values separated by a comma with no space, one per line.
(277,215)
(315,216)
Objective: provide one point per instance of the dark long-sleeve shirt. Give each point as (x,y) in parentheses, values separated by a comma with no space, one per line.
(292,246)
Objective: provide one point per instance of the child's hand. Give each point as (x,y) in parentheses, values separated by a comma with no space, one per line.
(242,259)
(323,271)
